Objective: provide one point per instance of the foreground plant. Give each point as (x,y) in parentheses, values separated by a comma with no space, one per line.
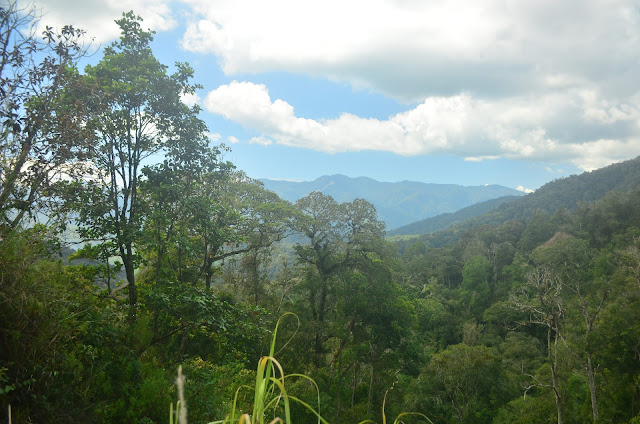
(270,395)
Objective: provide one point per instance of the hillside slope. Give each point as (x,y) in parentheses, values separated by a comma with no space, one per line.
(442,221)
(565,193)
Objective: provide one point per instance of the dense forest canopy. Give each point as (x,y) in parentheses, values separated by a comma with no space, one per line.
(528,314)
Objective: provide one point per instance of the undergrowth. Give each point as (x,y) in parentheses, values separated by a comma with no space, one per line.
(270,396)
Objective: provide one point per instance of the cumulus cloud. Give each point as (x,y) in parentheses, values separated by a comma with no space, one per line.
(415,49)
(475,129)
(524,190)
(546,81)
(190,99)
(97,16)
(263,141)
(214,136)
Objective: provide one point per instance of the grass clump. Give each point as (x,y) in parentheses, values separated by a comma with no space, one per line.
(271,400)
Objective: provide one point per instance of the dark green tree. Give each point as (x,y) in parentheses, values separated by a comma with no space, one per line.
(463,384)
(337,237)
(138,112)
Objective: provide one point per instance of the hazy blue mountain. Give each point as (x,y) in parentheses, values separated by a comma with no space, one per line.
(397,204)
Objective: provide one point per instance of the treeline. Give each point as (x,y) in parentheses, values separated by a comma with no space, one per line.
(530,320)
(565,193)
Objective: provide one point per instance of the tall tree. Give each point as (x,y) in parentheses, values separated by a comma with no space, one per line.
(174,194)
(585,298)
(338,235)
(138,113)
(462,384)
(541,299)
(202,213)
(41,128)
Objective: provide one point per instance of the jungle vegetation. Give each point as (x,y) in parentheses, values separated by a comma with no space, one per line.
(530,316)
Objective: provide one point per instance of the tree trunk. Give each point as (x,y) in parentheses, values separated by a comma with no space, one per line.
(371,383)
(592,387)
(208,276)
(126,253)
(355,384)
(159,258)
(319,341)
(339,383)
(552,355)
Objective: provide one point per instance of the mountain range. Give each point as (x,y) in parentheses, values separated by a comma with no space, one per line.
(567,194)
(398,203)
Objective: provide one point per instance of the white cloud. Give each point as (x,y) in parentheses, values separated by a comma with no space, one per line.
(97,17)
(214,136)
(514,128)
(263,141)
(233,140)
(543,81)
(554,171)
(414,49)
(605,111)
(480,159)
(190,99)
(524,190)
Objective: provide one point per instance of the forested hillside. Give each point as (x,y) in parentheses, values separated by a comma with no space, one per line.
(566,193)
(528,315)
(445,220)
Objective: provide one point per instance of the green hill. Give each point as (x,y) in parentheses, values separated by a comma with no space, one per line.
(445,220)
(564,193)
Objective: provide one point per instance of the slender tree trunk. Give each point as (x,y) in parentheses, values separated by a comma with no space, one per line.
(355,384)
(180,265)
(319,341)
(371,383)
(160,257)
(552,355)
(592,387)
(339,383)
(255,277)
(126,253)
(208,277)
(183,343)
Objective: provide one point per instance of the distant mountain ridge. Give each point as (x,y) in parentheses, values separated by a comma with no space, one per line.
(398,203)
(564,193)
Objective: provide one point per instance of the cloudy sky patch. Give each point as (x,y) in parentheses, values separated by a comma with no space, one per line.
(484,83)
(474,129)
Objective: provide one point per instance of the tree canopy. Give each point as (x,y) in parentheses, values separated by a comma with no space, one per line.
(523,315)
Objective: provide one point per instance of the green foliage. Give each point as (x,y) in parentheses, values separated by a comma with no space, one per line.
(138,112)
(187,321)
(462,384)
(543,292)
(476,291)
(569,194)
(63,343)
(525,410)
(271,397)
(42,135)
(210,388)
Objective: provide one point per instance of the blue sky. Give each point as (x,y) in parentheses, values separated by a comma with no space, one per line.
(507,92)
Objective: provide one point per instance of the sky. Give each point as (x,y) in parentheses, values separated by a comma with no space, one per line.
(510,92)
